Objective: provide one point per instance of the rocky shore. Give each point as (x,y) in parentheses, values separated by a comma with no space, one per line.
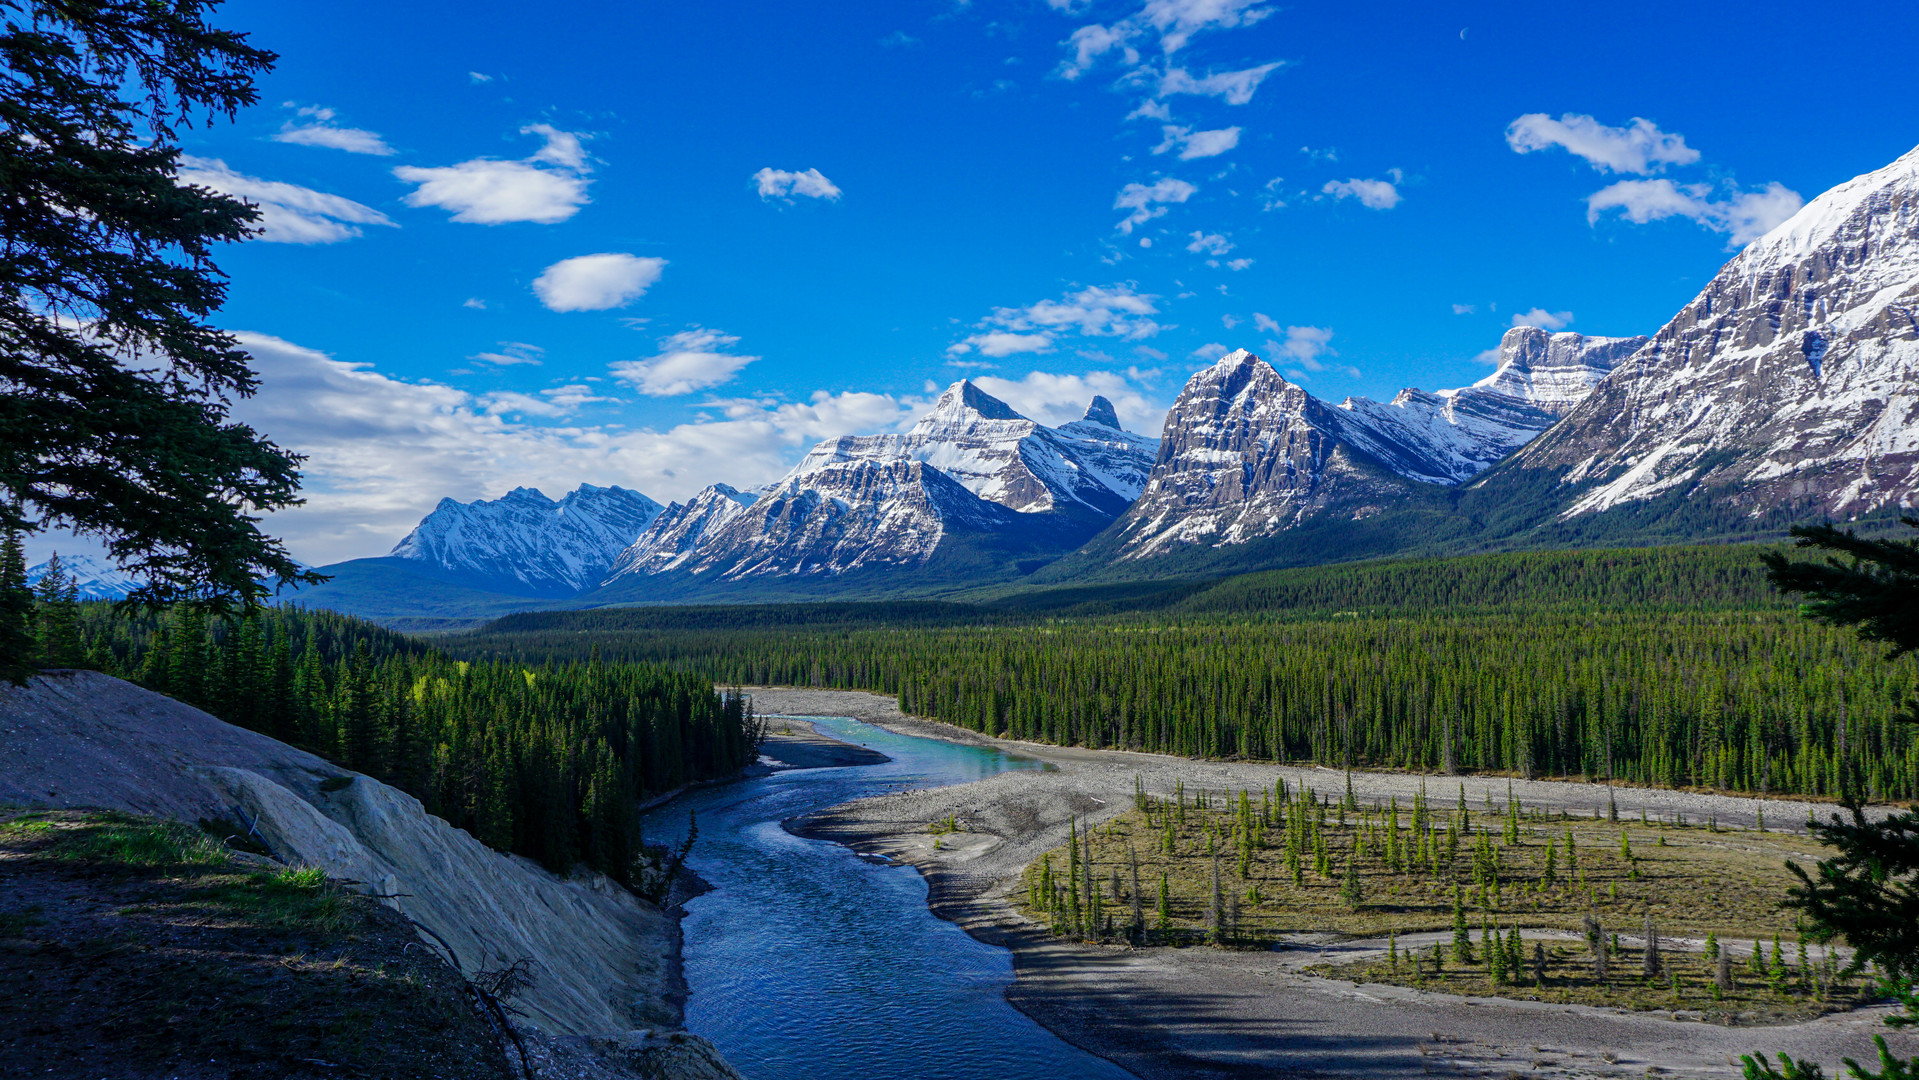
(1165,1012)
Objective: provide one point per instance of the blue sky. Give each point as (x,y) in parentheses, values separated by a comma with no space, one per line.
(665,245)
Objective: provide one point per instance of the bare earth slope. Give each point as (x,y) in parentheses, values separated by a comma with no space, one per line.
(1199,1012)
(602,958)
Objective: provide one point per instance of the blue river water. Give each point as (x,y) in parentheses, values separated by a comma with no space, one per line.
(807,962)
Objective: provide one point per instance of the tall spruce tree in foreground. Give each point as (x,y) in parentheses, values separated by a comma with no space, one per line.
(114,384)
(1868,892)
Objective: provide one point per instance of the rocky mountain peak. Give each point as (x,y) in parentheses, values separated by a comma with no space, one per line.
(1101,412)
(1554,371)
(963,399)
(527,544)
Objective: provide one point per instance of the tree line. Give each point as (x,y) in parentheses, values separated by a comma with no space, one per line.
(549,761)
(1532,668)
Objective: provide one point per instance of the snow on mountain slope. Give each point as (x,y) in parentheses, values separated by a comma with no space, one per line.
(679,529)
(1450,436)
(97,580)
(526,541)
(1247,454)
(1789,384)
(1001,456)
(836,517)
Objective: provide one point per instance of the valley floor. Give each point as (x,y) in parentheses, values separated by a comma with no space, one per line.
(1165,1012)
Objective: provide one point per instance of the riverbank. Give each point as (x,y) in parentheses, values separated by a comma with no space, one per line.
(1203,1012)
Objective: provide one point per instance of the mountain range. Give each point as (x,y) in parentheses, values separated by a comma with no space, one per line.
(1786,391)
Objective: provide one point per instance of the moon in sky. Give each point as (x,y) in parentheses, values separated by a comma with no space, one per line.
(1462,34)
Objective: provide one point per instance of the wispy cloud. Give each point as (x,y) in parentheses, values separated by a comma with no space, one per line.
(1540,317)
(547,188)
(1744,216)
(780,184)
(289,213)
(1640,147)
(687,361)
(1196,144)
(1148,201)
(512,353)
(1372,194)
(320,130)
(1117,311)
(1232,87)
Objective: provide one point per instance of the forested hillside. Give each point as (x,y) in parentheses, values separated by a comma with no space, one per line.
(547,760)
(1670,667)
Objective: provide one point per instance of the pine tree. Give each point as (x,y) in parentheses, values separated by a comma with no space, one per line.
(17,642)
(57,598)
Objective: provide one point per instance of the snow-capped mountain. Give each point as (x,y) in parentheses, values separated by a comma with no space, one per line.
(1003,457)
(971,467)
(1450,436)
(1788,387)
(1246,454)
(524,543)
(97,580)
(679,530)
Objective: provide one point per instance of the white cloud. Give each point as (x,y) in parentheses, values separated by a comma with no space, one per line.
(1173,22)
(512,353)
(1148,201)
(1233,87)
(1209,244)
(1640,148)
(596,282)
(479,78)
(320,130)
(1464,309)
(1058,399)
(687,361)
(1002,343)
(1197,144)
(474,302)
(1372,194)
(555,401)
(1265,324)
(547,188)
(1238,264)
(780,184)
(1744,215)
(382,452)
(1540,317)
(289,213)
(1151,110)
(1211,351)
(1304,345)
(1178,20)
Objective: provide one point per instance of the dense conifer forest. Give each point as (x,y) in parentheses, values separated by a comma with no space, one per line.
(549,761)
(1671,666)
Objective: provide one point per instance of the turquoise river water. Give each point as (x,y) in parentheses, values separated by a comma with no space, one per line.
(808,962)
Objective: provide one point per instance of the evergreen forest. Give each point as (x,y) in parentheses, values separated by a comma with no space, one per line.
(550,761)
(1674,667)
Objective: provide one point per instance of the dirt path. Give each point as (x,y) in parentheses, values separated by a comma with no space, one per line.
(1199,1012)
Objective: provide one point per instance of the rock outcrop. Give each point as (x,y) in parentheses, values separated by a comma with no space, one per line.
(602,958)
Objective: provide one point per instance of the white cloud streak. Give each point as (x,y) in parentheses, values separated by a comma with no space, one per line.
(1197,144)
(1744,216)
(1056,399)
(1638,148)
(1114,312)
(320,130)
(1232,87)
(547,188)
(289,213)
(1540,317)
(596,282)
(687,361)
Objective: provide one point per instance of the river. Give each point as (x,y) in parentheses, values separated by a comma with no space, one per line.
(808,962)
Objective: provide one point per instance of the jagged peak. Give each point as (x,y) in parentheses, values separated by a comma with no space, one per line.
(1101,412)
(520,494)
(964,396)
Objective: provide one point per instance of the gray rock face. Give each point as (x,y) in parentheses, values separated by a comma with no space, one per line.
(679,531)
(525,542)
(1247,454)
(1790,383)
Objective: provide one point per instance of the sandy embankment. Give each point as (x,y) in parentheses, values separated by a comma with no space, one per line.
(1201,1012)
